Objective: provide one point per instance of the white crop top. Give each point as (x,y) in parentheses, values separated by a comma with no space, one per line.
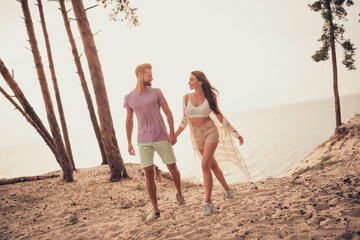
(201,111)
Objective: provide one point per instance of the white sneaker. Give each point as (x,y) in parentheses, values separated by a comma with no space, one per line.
(152,216)
(229,194)
(208,208)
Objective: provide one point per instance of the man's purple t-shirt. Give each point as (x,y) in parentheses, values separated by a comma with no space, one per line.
(146,105)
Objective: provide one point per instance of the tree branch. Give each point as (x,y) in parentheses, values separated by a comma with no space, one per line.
(97,32)
(338,41)
(91,7)
(28,49)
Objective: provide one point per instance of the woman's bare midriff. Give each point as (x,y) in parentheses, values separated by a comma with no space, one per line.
(198,121)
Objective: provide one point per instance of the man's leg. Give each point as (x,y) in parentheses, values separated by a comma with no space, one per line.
(175,175)
(151,186)
(166,153)
(146,152)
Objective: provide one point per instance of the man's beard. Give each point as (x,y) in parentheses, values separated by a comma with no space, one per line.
(146,84)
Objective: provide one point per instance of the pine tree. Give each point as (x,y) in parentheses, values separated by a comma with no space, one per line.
(83,82)
(333,12)
(65,162)
(116,163)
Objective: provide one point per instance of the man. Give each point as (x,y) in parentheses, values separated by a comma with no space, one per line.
(146,102)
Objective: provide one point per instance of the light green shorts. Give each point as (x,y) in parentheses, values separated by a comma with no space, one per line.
(163,148)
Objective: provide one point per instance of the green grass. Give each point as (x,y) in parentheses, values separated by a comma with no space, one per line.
(325,158)
(26,198)
(185,184)
(127,205)
(140,187)
(143,215)
(325,162)
(137,204)
(320,166)
(303,170)
(73,219)
(141,203)
(295,182)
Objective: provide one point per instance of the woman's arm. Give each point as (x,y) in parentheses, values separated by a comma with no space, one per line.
(178,131)
(184,121)
(223,121)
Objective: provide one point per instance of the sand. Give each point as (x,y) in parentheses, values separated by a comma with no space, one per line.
(318,199)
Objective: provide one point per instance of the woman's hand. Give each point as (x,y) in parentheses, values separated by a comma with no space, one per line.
(172,139)
(241,140)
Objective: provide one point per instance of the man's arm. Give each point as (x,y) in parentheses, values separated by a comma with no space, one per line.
(172,138)
(129,129)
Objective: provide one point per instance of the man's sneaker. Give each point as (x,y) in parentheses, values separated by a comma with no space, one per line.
(229,194)
(152,216)
(208,208)
(180,201)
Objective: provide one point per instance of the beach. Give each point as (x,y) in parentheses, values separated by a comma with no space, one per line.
(73,79)
(316,200)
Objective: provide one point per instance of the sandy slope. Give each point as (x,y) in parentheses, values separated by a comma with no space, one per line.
(321,203)
(343,144)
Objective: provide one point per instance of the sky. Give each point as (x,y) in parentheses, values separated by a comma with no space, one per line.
(256,53)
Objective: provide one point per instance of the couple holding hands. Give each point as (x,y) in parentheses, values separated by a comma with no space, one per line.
(210,132)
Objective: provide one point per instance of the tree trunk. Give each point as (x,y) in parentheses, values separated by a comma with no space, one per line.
(4,181)
(56,87)
(55,130)
(25,104)
(116,164)
(334,65)
(84,86)
(28,118)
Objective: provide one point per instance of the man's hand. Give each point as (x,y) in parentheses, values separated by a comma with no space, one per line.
(172,139)
(131,150)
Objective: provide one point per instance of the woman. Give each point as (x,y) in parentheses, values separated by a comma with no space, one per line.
(199,110)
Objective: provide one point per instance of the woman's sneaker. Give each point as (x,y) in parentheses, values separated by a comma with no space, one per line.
(208,208)
(229,194)
(152,216)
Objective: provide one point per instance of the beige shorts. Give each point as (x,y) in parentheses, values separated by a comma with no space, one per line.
(163,148)
(206,133)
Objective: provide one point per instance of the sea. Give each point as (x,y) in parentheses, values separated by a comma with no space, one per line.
(276,139)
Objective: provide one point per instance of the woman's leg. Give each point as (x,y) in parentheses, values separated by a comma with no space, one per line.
(219,174)
(208,155)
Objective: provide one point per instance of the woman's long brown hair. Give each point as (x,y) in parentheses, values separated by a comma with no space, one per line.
(210,91)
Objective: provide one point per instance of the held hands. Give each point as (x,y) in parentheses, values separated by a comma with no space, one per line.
(131,150)
(172,139)
(241,140)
